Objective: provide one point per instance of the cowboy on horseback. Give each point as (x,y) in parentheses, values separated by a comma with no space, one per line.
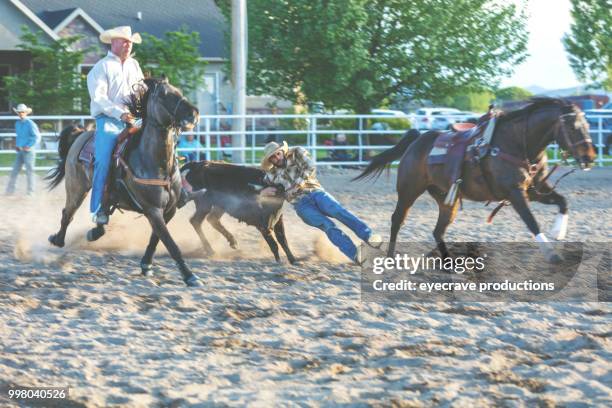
(110,82)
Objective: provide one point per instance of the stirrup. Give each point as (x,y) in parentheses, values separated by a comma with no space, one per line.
(451,197)
(100,218)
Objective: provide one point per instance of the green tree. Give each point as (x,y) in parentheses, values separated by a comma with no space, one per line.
(513,93)
(477,101)
(589,43)
(356,53)
(177,55)
(53,85)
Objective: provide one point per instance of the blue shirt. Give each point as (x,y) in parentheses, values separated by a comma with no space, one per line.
(27,133)
(186,144)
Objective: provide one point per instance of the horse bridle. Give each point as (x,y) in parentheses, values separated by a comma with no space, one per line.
(174,111)
(533,168)
(568,141)
(174,125)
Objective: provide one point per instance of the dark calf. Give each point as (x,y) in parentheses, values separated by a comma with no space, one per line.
(232,189)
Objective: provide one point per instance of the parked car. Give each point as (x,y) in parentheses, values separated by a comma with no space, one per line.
(424,117)
(387,112)
(444,122)
(593,116)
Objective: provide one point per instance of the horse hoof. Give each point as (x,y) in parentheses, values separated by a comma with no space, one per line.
(234,245)
(193,282)
(95,233)
(555,259)
(54,241)
(147,270)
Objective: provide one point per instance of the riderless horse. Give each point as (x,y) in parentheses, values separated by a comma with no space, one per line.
(511,166)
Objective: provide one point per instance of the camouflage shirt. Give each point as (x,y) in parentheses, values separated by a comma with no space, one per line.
(297,177)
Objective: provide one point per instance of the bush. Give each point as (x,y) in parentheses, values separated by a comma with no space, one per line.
(392,123)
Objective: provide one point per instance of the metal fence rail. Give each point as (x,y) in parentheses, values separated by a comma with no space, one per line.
(313,132)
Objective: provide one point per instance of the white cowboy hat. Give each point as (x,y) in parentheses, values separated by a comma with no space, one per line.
(269,150)
(124,32)
(22,108)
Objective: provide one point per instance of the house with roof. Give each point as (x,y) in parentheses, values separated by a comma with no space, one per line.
(60,18)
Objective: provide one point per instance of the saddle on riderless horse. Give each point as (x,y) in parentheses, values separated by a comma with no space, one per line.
(467,142)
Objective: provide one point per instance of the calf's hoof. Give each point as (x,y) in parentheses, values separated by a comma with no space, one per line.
(54,240)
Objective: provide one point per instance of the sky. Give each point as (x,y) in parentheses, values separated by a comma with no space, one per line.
(547,66)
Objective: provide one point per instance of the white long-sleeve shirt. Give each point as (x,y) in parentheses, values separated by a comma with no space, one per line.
(110,83)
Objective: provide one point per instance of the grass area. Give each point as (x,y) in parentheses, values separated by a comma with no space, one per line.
(7,160)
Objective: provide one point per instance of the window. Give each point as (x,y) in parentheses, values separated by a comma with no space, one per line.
(85,68)
(210,83)
(5,70)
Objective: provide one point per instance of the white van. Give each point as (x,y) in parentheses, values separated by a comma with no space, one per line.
(423,120)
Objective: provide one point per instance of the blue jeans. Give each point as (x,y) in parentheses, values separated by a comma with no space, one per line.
(27,159)
(315,208)
(107,130)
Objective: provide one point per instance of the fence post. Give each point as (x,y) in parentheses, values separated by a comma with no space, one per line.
(313,140)
(253,139)
(600,144)
(360,139)
(207,130)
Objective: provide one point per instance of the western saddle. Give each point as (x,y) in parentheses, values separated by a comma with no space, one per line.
(467,142)
(118,169)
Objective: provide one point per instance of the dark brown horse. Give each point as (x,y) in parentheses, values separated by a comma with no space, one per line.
(151,182)
(513,169)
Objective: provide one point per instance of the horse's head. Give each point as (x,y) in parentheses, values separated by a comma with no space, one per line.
(573,136)
(167,106)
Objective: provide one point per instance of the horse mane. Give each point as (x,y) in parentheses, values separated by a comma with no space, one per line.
(137,101)
(534,104)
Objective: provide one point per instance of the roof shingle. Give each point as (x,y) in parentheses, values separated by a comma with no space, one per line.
(158,17)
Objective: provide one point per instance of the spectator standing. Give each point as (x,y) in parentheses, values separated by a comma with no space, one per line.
(341,154)
(189,142)
(28,136)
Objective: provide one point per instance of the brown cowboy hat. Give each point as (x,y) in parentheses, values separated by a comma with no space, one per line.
(269,150)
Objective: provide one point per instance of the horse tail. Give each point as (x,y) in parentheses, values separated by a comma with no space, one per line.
(384,159)
(67,137)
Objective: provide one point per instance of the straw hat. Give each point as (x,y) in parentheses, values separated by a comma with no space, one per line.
(269,150)
(124,32)
(22,108)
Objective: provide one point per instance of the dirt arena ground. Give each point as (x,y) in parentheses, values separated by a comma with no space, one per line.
(267,334)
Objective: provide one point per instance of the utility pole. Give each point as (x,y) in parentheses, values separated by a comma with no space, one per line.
(239,53)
